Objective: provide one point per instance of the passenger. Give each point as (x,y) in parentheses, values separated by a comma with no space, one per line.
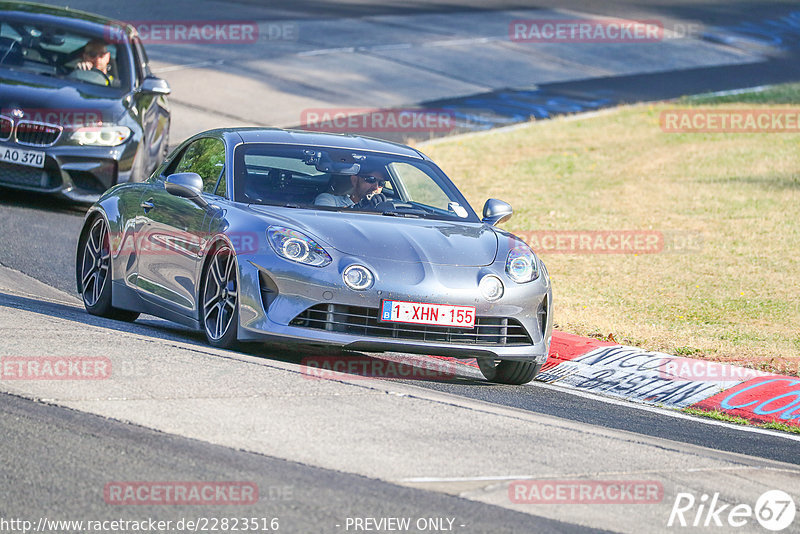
(355,191)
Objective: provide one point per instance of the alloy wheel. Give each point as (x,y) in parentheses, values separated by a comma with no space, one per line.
(220,294)
(96,260)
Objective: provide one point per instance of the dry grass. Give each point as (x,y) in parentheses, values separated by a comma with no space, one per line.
(735,298)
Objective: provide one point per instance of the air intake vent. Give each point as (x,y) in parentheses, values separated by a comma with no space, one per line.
(29,176)
(364,322)
(543,312)
(269,290)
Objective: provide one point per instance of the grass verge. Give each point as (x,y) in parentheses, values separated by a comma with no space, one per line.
(725,285)
(722,416)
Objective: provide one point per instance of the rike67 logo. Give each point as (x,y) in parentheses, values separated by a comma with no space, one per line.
(774,510)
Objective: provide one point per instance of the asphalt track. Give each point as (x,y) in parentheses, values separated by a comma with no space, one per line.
(68,457)
(167,379)
(596,410)
(38,238)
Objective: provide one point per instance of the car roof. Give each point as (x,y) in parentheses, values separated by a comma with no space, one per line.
(66,17)
(320,139)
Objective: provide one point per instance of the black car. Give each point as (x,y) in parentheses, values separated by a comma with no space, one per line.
(67,127)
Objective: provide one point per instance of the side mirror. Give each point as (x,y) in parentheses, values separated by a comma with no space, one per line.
(496,211)
(186,185)
(155,86)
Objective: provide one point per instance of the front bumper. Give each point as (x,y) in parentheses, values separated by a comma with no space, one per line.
(281,301)
(78,173)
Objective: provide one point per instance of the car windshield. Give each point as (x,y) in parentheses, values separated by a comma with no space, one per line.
(53,52)
(331,179)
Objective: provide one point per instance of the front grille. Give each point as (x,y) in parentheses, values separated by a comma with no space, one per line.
(28,176)
(37,133)
(6,126)
(364,322)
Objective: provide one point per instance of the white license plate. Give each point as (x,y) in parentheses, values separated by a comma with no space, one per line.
(31,158)
(398,311)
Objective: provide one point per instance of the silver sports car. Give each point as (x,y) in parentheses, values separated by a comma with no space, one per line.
(322,240)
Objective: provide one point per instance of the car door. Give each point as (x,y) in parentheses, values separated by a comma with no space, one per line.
(175,229)
(153,112)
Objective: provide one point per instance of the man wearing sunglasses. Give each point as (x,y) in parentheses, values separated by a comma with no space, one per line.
(364,193)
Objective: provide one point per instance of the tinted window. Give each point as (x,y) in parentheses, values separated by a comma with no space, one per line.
(419,186)
(308,177)
(53,52)
(206,157)
(140,56)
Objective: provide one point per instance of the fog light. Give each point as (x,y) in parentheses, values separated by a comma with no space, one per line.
(358,277)
(491,287)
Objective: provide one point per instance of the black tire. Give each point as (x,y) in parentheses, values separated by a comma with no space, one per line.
(219,298)
(508,371)
(94,273)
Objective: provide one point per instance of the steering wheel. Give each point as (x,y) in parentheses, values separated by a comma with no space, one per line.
(105,76)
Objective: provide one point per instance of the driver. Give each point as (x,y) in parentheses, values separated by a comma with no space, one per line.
(95,56)
(365,192)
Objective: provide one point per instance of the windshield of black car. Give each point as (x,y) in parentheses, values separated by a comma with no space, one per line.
(52,52)
(344,179)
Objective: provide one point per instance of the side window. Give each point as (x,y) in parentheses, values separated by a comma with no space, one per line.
(206,157)
(137,66)
(140,57)
(419,186)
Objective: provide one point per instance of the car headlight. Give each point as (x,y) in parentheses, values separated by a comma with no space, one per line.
(521,264)
(100,135)
(297,247)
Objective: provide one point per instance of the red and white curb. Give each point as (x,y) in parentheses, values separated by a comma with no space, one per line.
(661,379)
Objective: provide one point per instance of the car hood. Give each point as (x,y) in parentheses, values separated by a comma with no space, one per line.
(62,104)
(392,238)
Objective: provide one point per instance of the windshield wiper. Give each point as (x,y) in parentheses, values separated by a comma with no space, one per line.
(398,211)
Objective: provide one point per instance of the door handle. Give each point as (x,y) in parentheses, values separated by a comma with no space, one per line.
(147,205)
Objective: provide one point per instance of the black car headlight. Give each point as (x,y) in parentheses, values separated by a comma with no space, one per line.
(297,247)
(110,135)
(522,265)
